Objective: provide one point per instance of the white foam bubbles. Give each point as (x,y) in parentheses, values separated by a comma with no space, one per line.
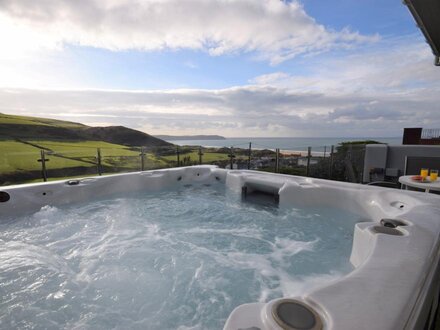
(286,248)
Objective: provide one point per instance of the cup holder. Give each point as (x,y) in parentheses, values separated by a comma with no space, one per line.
(386,231)
(392,223)
(294,315)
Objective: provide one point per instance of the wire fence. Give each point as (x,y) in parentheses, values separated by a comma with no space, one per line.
(42,161)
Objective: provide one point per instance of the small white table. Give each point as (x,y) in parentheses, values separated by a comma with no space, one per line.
(408,182)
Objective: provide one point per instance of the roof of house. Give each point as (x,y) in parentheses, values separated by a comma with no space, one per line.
(427,15)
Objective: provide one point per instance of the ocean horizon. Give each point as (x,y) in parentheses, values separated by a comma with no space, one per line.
(289,143)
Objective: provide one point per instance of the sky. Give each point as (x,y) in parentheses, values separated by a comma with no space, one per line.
(237,68)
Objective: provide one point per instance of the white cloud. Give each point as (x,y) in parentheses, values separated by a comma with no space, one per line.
(394,66)
(270,78)
(238,111)
(275,30)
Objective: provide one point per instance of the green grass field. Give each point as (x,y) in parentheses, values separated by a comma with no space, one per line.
(17,156)
(20,157)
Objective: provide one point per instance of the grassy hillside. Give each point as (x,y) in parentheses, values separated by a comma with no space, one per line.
(122,135)
(33,128)
(22,120)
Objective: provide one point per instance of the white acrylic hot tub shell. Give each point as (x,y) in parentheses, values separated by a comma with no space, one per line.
(395,277)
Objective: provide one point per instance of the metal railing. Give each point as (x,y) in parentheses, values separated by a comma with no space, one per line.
(430,133)
(61,160)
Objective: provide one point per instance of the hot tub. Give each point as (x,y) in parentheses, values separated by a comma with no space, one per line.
(202,247)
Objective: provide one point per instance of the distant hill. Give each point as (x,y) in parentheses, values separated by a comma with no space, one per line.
(123,135)
(190,137)
(34,128)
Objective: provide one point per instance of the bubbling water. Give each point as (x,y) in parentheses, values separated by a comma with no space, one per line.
(174,259)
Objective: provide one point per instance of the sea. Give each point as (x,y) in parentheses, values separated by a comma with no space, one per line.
(319,144)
